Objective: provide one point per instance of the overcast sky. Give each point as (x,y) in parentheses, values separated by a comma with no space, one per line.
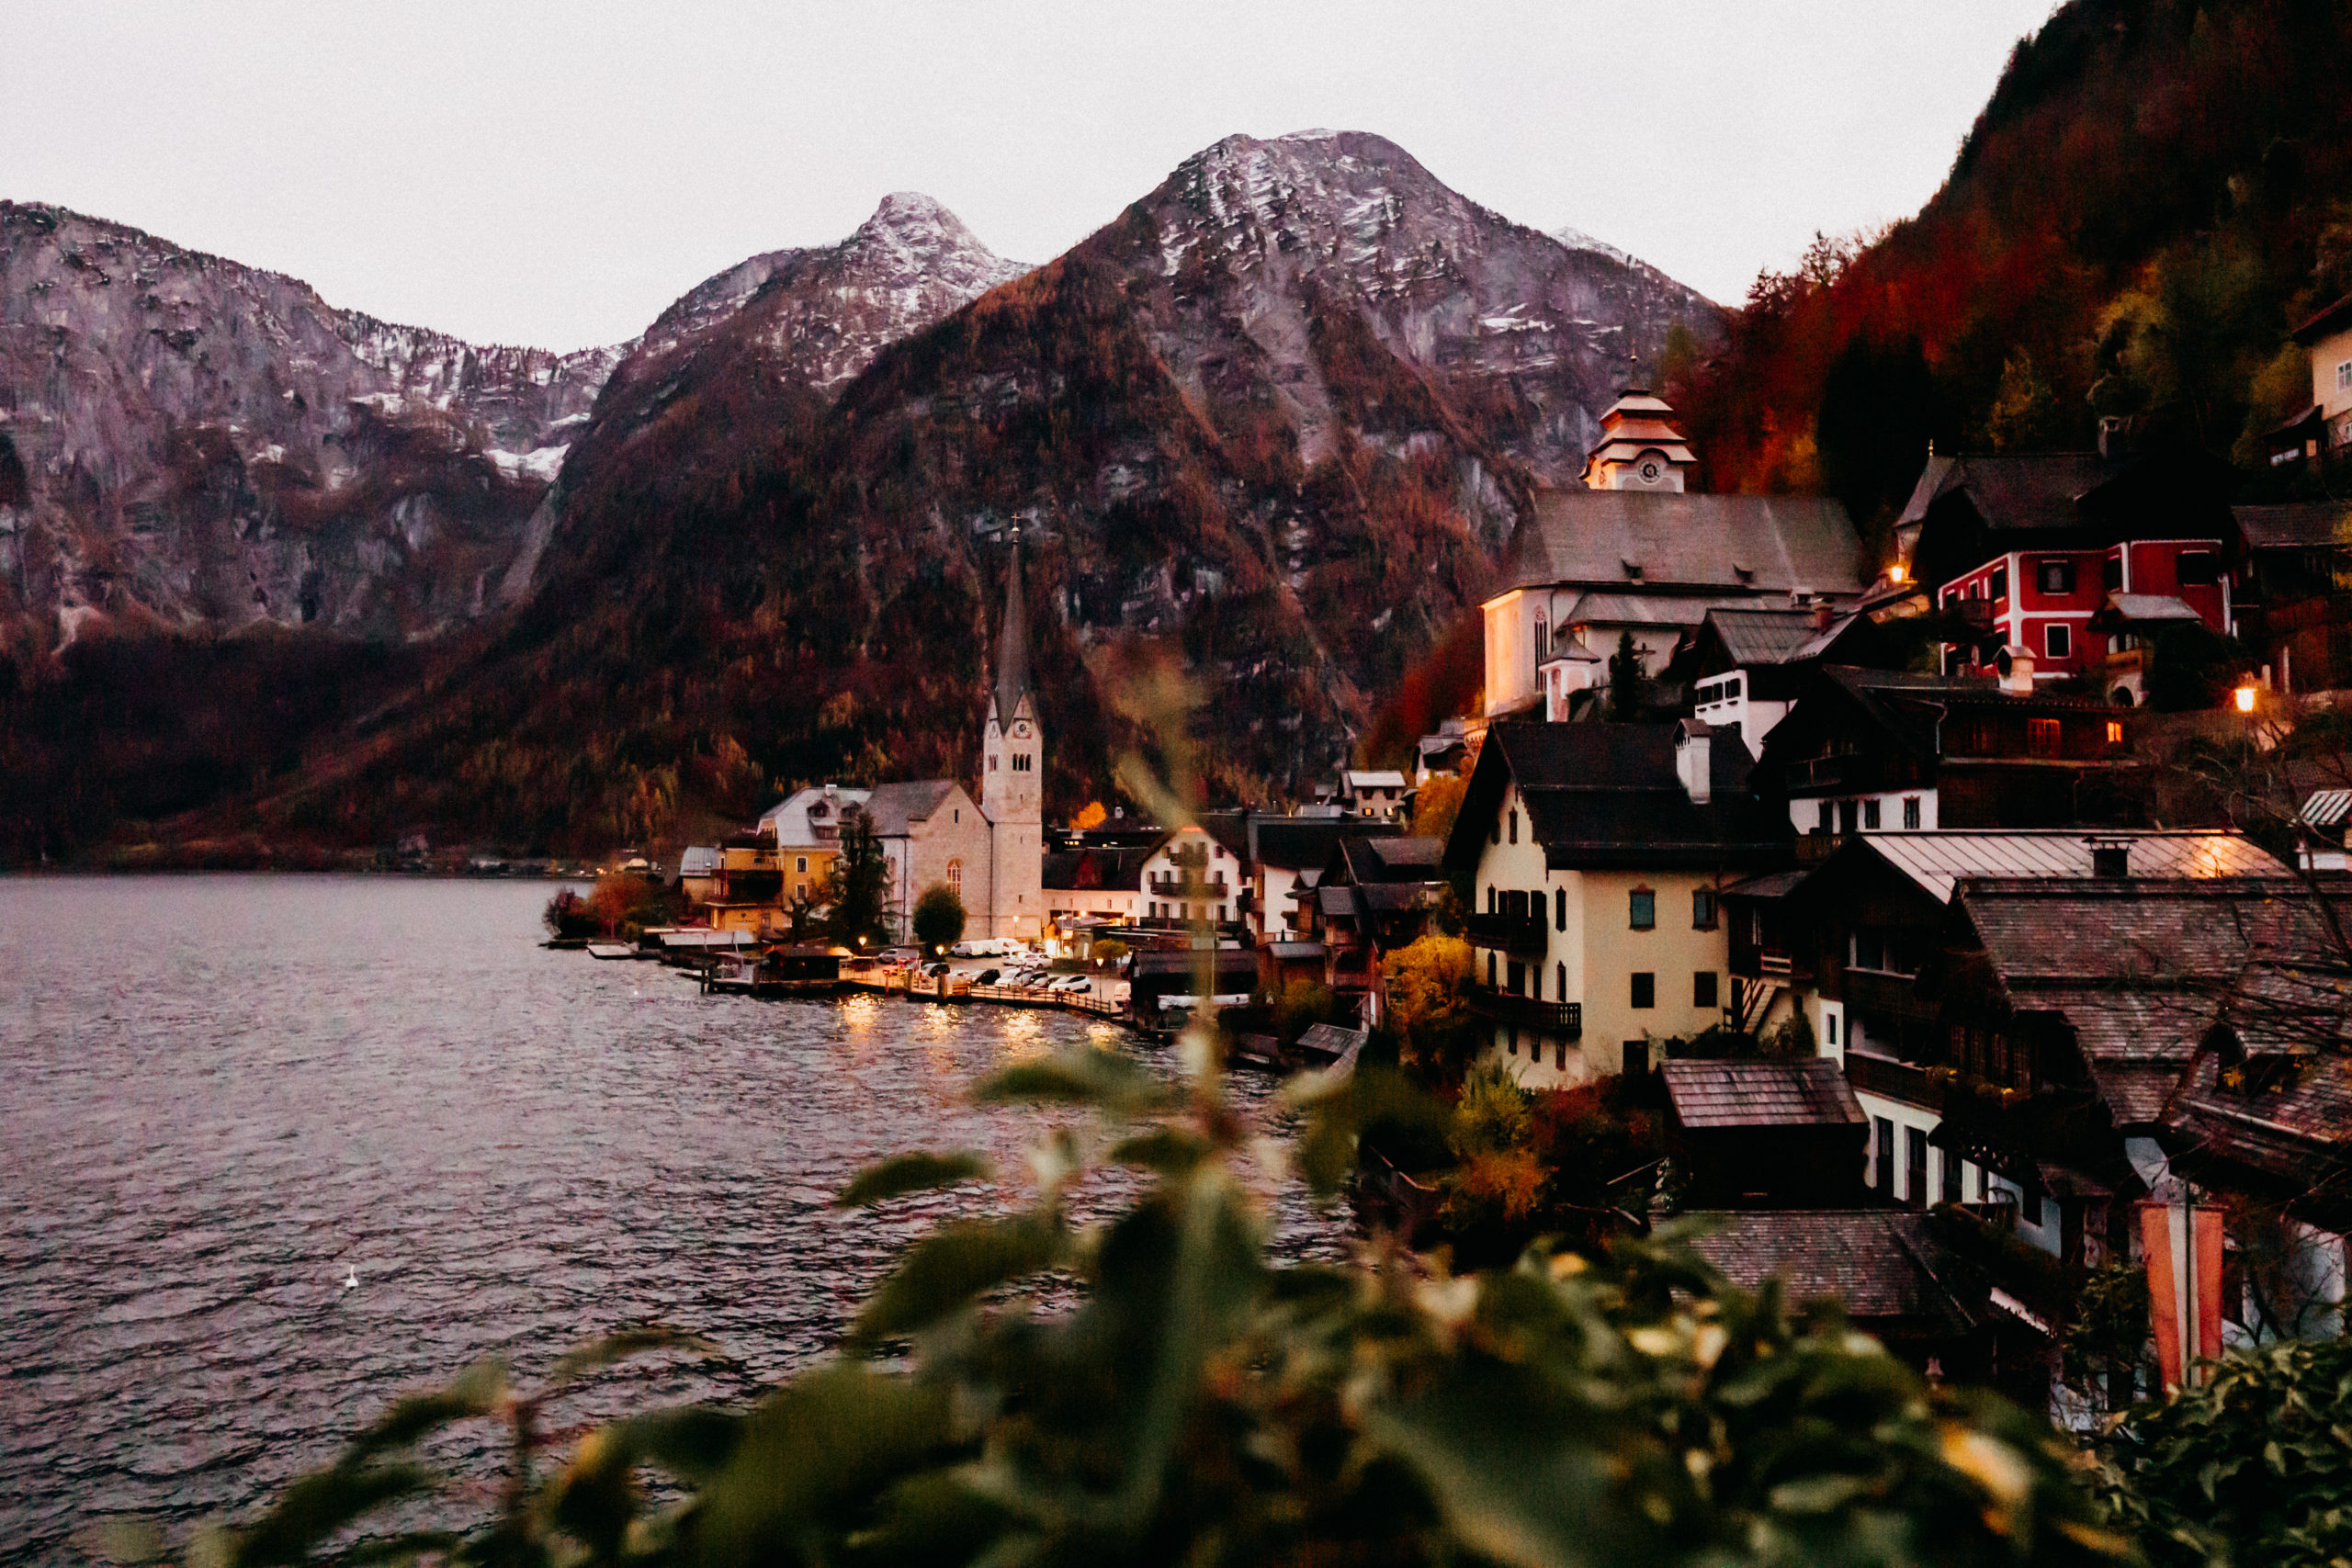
(557,174)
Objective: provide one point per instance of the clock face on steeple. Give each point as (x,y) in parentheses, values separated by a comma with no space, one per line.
(1021,731)
(1649,471)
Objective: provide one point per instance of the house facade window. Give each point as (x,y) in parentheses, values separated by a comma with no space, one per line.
(2056,576)
(1870,814)
(1514,825)
(1911,812)
(2059,639)
(1559,909)
(1542,636)
(2000,583)
(1644,989)
(1703,989)
(1883,1147)
(2344,377)
(1914,1167)
(955,877)
(2041,737)
(1642,912)
(1560,985)
(1704,909)
(800,862)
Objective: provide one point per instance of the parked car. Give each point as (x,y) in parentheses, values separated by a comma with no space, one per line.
(969,950)
(934,970)
(986,977)
(1072,983)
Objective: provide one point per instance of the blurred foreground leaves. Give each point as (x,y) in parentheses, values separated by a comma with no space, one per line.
(1206,1406)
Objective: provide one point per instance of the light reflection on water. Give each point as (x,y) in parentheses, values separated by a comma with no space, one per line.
(226,1094)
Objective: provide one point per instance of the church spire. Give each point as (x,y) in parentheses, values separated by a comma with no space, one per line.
(1013,681)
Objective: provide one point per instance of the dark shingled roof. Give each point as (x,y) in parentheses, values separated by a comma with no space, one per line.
(1882,1264)
(1118,869)
(895,807)
(1763,637)
(1810,1093)
(1394,860)
(2297,525)
(2032,489)
(1602,795)
(1758,543)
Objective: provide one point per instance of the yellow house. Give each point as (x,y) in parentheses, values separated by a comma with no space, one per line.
(1595,856)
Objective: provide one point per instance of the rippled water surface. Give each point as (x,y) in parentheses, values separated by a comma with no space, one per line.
(225,1096)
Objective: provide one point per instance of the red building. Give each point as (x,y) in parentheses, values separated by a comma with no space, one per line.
(2080,558)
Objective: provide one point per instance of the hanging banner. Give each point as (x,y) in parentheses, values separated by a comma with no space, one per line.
(2183,1248)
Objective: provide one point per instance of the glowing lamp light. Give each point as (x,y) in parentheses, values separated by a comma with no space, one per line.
(2244,696)
(1895,572)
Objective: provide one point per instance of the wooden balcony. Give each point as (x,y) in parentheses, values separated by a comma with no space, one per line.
(1563,1021)
(1891,1079)
(1522,934)
(1877,994)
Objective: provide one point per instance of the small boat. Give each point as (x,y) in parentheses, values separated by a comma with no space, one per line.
(611,950)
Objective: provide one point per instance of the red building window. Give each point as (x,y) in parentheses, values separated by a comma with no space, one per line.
(2041,737)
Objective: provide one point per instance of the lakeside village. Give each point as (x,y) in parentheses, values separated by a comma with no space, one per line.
(1966,941)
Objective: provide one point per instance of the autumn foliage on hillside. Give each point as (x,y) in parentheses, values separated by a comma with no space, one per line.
(2158,192)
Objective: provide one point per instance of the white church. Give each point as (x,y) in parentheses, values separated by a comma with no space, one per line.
(989,851)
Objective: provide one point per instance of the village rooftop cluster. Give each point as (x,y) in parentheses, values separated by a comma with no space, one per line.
(1878,874)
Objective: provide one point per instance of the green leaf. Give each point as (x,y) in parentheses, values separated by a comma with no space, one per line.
(906,1173)
(622,1344)
(478,1391)
(1083,1076)
(953,1265)
(321,1503)
(811,1456)
(1167,1150)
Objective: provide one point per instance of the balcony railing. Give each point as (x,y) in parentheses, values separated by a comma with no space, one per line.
(1885,1076)
(1186,887)
(1883,995)
(1512,934)
(1565,1020)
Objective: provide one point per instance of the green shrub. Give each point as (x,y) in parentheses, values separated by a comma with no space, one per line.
(1204,1405)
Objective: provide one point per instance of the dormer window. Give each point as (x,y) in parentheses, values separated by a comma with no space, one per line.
(1632,570)
(817,811)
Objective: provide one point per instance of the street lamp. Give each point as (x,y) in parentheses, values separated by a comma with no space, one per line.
(2244,696)
(1895,574)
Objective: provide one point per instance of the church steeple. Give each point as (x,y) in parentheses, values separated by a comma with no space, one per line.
(1013,794)
(1012,646)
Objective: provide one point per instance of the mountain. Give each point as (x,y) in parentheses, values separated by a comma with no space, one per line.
(2155,194)
(271,507)
(792,324)
(1273,420)
(189,443)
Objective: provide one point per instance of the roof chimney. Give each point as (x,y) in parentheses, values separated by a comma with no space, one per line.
(2015,666)
(1694,759)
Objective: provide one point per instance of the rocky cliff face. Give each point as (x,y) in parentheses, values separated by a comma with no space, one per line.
(1528,335)
(188,441)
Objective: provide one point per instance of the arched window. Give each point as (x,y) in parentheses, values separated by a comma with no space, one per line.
(1543,637)
(1560,914)
(1560,986)
(955,877)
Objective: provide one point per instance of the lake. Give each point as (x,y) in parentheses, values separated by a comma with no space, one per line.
(226,1096)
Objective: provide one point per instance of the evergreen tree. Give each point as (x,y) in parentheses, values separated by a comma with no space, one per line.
(858,876)
(1625,681)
